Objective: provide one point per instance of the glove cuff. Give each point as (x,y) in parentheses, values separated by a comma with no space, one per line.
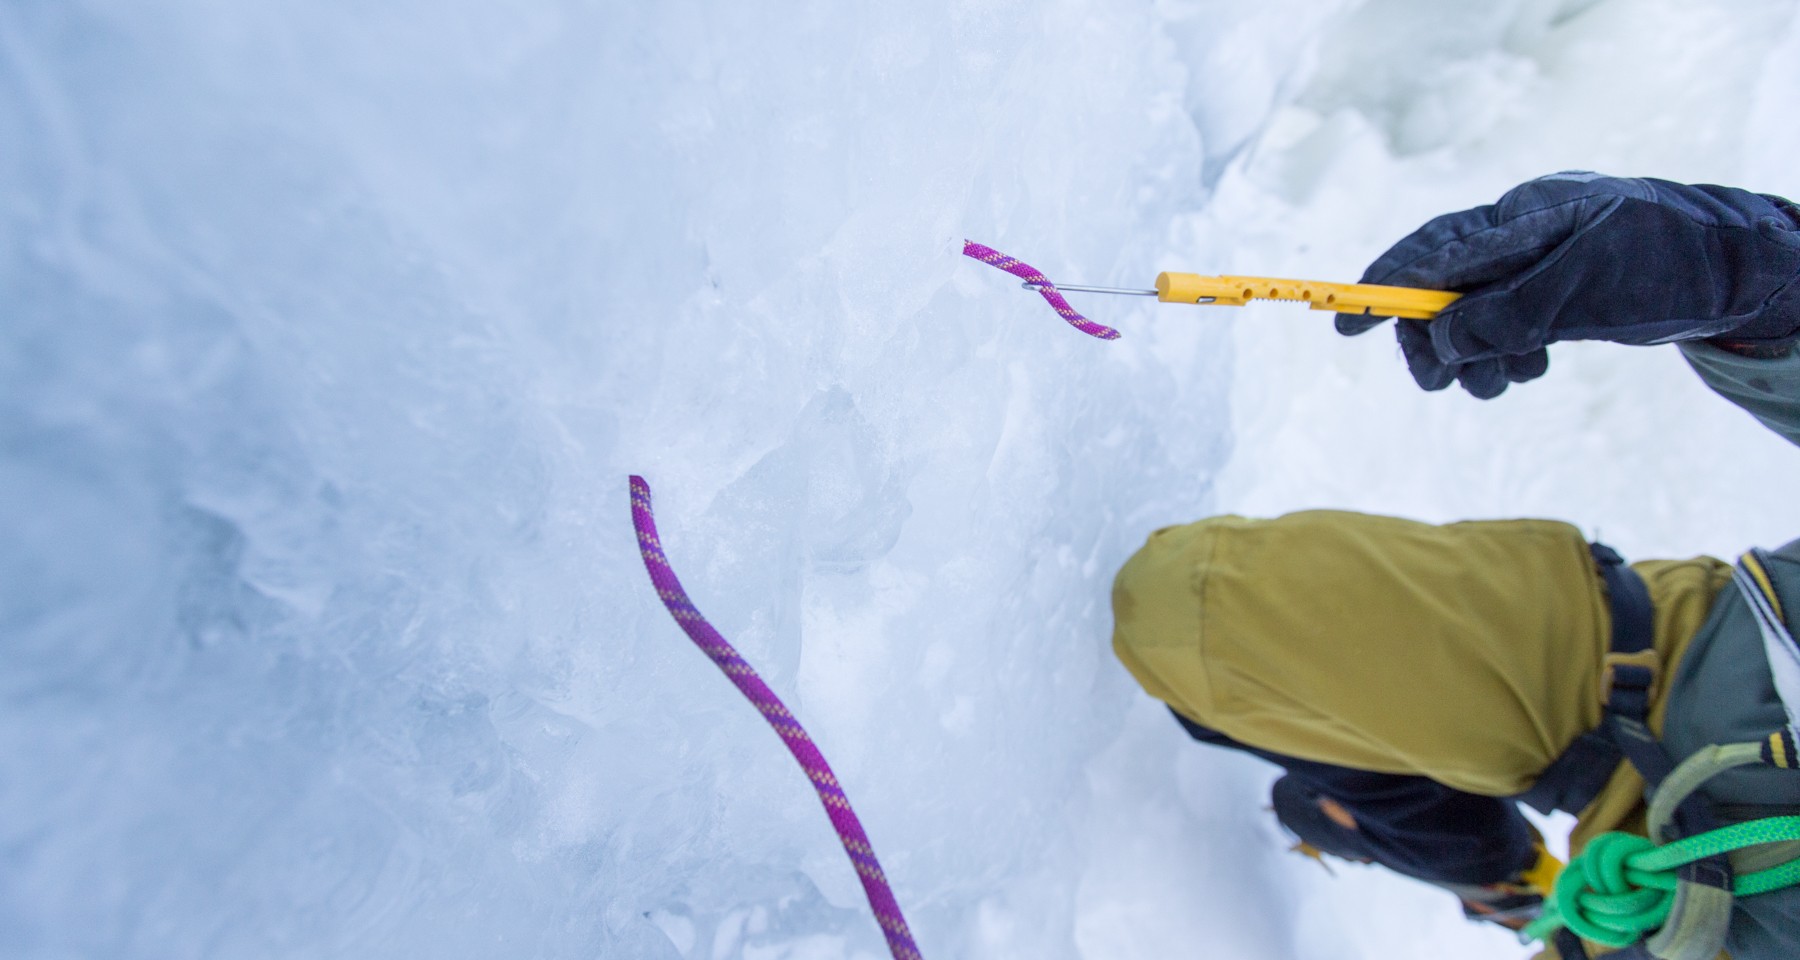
(1773,330)
(1755,349)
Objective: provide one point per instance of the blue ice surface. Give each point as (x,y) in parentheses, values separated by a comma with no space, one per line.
(331,332)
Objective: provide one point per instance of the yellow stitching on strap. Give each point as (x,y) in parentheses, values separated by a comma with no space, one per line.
(1754,565)
(1778,748)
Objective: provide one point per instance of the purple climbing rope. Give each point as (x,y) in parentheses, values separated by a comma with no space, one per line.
(1030,274)
(837,805)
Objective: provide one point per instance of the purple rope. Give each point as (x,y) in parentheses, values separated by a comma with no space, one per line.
(837,805)
(1030,274)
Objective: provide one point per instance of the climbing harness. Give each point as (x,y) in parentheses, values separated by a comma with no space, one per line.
(1624,886)
(1656,896)
(744,676)
(1228,291)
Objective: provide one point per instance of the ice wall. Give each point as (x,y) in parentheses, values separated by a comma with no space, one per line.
(332,330)
(333,334)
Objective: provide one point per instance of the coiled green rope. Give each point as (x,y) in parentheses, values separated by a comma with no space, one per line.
(1622,886)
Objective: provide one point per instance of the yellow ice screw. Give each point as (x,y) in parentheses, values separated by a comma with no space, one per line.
(1373,298)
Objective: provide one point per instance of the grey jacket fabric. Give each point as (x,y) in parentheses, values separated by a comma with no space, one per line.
(1769,389)
(1722,691)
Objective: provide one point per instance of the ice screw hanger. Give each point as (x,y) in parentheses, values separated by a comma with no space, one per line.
(1229,291)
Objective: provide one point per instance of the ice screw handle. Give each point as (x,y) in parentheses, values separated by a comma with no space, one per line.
(1409,302)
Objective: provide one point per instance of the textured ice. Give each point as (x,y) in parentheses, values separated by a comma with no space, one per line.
(331,331)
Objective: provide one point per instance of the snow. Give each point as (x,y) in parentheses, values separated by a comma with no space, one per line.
(332,332)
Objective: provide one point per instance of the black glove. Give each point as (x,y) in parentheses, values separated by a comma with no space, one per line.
(1580,256)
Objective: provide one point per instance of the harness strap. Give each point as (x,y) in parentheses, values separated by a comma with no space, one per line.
(1569,945)
(1705,764)
(1576,777)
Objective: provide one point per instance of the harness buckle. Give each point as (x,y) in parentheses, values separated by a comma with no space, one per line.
(1627,681)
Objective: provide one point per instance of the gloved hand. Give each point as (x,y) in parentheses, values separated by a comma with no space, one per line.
(1580,256)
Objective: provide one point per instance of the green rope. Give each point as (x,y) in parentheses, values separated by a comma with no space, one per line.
(1622,886)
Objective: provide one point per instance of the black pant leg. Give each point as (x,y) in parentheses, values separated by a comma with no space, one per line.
(1412,825)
